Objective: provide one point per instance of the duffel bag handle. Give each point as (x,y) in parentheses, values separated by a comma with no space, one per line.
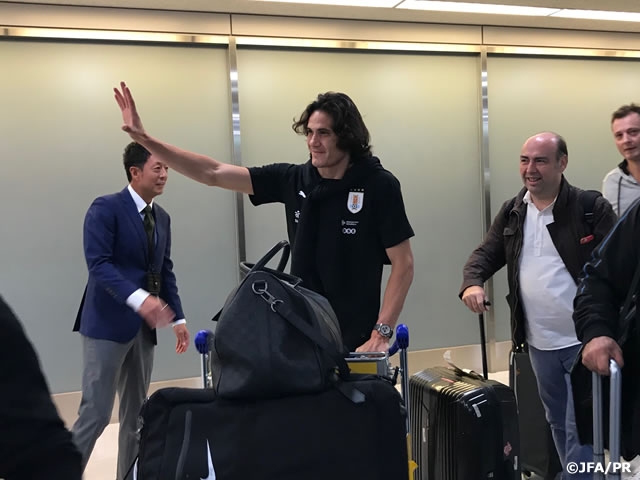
(246,268)
(281,245)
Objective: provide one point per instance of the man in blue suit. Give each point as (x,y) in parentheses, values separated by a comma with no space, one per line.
(131,291)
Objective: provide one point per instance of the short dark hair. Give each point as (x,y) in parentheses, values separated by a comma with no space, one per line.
(625,110)
(135,155)
(561,146)
(348,125)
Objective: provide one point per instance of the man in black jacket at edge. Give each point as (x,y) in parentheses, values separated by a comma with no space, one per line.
(602,291)
(605,283)
(34,443)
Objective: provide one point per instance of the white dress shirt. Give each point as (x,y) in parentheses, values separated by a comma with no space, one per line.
(547,288)
(137,298)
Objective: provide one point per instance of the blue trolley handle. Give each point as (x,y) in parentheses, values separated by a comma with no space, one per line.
(203,341)
(402,340)
(401,344)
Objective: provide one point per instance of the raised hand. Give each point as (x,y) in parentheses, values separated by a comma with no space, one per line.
(131,120)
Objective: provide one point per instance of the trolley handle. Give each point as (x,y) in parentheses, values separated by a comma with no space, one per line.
(402,340)
(483,343)
(615,406)
(203,341)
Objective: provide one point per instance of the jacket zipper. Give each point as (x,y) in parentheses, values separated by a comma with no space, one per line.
(516,270)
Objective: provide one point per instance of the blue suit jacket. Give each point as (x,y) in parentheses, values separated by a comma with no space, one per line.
(116,251)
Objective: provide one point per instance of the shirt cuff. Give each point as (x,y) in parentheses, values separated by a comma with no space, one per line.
(137,298)
(178,322)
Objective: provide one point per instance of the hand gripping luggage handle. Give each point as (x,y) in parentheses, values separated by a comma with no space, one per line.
(615,406)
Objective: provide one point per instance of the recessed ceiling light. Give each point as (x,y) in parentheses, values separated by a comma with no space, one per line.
(465,7)
(481,8)
(346,3)
(598,15)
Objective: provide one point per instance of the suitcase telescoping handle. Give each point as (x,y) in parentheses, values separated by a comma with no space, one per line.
(483,343)
(615,405)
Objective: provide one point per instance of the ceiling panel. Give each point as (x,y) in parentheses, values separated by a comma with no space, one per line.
(384,14)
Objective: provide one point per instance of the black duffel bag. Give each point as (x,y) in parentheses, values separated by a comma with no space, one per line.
(191,434)
(275,338)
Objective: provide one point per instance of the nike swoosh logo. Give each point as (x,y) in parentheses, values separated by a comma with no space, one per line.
(212,472)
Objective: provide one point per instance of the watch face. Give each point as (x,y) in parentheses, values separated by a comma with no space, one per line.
(384,330)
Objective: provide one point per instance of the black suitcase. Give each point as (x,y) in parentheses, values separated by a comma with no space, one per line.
(191,434)
(463,426)
(537,451)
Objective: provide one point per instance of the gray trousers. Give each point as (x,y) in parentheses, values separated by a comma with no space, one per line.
(111,367)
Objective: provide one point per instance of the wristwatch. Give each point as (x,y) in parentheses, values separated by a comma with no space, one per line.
(383,329)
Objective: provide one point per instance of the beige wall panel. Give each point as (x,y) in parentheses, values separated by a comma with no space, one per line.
(354,30)
(535,37)
(61,146)
(113,19)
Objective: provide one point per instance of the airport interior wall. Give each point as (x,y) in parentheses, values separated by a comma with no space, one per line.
(446,116)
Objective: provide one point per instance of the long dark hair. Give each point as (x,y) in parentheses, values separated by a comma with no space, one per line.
(353,136)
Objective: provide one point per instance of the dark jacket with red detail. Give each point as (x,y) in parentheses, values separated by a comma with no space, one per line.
(573,235)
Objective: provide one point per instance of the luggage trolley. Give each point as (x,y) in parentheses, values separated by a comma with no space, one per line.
(374,363)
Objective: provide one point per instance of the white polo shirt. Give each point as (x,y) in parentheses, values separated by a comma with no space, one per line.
(546,286)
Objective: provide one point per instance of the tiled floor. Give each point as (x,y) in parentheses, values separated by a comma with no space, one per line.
(102,464)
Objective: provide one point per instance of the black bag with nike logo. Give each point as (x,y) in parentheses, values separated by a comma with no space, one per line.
(192,434)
